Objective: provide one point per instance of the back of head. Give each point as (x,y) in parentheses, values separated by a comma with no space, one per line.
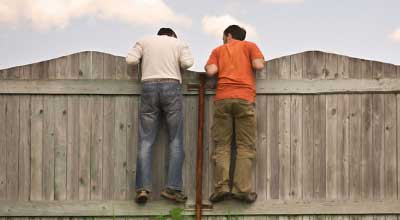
(167,31)
(236,32)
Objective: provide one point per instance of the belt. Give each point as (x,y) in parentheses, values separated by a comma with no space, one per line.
(159,80)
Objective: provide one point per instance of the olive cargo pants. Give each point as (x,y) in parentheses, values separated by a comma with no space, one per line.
(244,115)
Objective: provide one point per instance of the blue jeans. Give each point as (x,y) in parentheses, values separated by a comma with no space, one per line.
(160,98)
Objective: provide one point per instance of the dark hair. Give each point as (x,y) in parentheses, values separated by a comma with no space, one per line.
(167,31)
(236,31)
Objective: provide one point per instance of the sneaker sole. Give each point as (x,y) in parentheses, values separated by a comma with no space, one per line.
(168,196)
(141,199)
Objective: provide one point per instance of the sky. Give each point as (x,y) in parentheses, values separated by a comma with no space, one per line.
(37,30)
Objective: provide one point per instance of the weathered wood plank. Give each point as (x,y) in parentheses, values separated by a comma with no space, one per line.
(3,149)
(378,132)
(355,69)
(130,87)
(343,133)
(24,172)
(131,142)
(108,131)
(37,113)
(307,139)
(96,146)
(85,111)
(296,131)
(12,139)
(190,143)
(120,138)
(398,137)
(128,208)
(390,148)
(284,132)
(60,136)
(272,135)
(319,145)
(209,147)
(73,132)
(366,141)
(261,166)
(331,68)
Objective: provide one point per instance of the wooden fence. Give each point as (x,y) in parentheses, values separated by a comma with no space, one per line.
(328,142)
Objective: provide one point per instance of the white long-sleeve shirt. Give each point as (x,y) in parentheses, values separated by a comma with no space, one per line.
(161,57)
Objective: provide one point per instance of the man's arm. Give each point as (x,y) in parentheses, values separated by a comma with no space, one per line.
(258,63)
(211,69)
(186,58)
(134,54)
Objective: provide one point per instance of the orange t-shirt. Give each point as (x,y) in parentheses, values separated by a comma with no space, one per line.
(235,72)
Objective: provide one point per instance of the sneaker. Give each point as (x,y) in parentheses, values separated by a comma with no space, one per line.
(246,197)
(219,196)
(175,195)
(142,197)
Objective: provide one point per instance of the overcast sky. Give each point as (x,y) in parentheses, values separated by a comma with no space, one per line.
(36,30)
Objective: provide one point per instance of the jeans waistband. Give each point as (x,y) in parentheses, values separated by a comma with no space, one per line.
(157,80)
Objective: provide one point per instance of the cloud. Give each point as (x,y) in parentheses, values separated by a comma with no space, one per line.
(395,35)
(215,25)
(283,1)
(47,14)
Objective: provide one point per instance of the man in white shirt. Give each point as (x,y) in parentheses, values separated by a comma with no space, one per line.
(162,58)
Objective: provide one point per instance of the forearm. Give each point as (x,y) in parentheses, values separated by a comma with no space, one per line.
(258,64)
(211,69)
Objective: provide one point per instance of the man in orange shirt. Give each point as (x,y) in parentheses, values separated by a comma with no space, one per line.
(234,109)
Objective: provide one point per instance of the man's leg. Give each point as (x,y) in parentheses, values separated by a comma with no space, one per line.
(171,103)
(148,126)
(245,127)
(222,135)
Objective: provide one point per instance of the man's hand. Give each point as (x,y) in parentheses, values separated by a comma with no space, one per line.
(258,64)
(211,69)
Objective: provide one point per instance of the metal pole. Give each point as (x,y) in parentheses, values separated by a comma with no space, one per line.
(199,164)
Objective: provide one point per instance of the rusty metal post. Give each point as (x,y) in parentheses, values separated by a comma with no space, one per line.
(199,163)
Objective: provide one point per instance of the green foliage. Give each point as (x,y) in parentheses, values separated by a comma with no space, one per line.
(231,217)
(174,214)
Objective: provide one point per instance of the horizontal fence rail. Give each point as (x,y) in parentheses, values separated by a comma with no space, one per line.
(131,87)
(129,208)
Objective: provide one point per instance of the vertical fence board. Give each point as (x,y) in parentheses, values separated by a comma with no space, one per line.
(108,131)
(398,137)
(307,140)
(3,144)
(209,102)
(378,136)
(284,132)
(120,138)
(390,138)
(261,166)
(60,136)
(96,141)
(296,132)
(37,112)
(331,67)
(343,133)
(85,111)
(318,72)
(12,138)
(72,188)
(355,68)
(24,175)
(131,142)
(190,145)
(272,135)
